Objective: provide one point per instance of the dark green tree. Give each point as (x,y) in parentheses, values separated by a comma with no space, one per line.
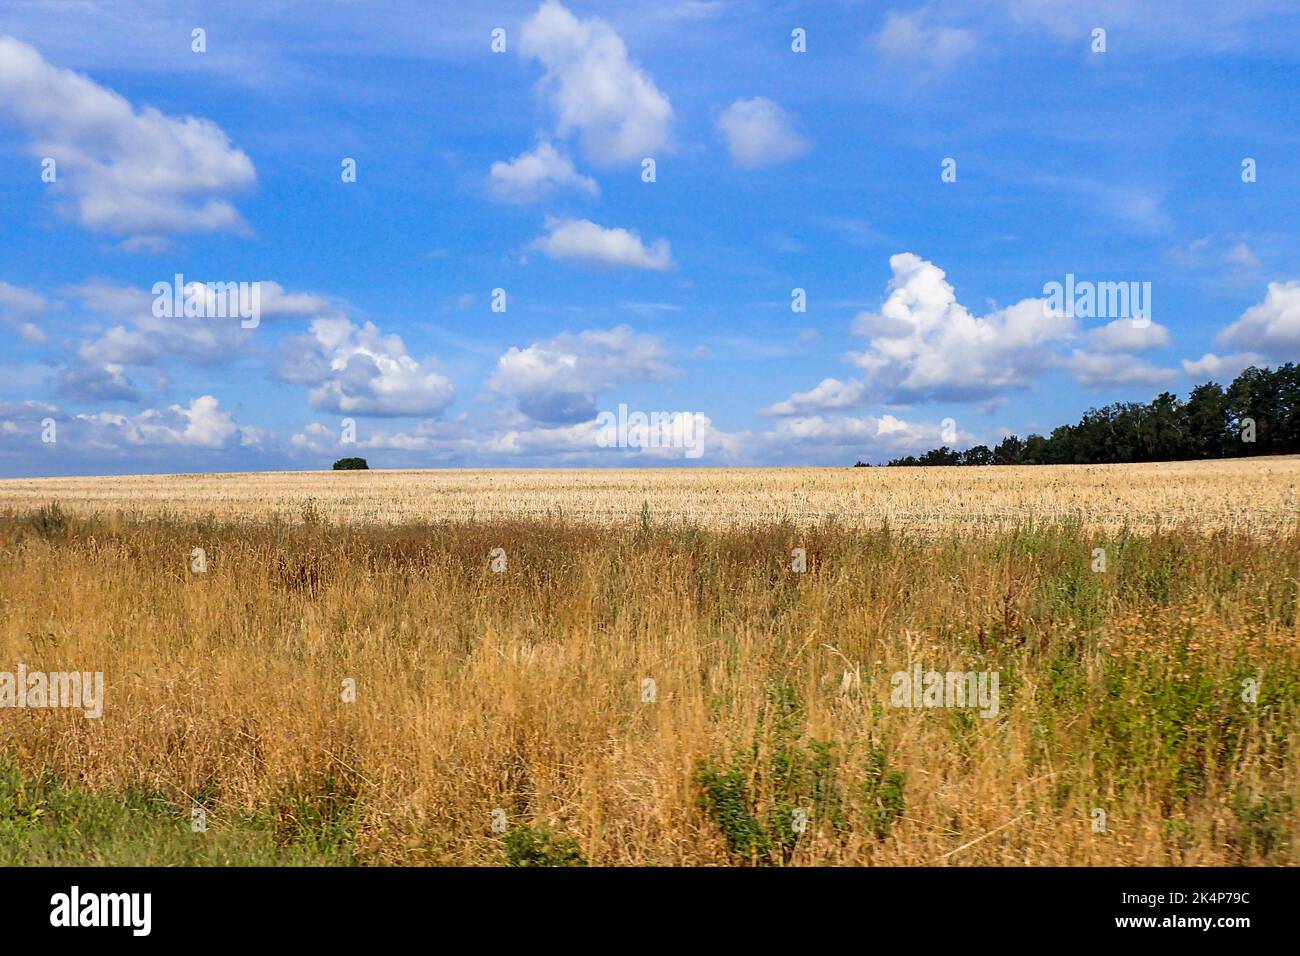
(1258,414)
(1206,414)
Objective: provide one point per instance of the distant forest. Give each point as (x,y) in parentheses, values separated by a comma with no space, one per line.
(1258,414)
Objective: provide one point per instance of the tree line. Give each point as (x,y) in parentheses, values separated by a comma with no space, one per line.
(1258,414)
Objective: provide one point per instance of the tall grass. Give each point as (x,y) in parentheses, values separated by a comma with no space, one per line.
(524,692)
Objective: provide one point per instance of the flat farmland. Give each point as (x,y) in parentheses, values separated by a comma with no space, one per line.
(1240,494)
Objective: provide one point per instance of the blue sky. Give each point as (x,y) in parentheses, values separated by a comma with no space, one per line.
(522,170)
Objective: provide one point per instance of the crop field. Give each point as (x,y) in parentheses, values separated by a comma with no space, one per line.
(675,667)
(1240,494)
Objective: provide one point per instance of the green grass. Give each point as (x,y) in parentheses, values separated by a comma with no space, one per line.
(48,822)
(786,776)
(526,846)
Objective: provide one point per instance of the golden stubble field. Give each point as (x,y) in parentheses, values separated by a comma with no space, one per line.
(1241,494)
(349,679)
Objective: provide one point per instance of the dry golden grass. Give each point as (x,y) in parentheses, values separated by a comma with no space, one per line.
(1241,494)
(522,690)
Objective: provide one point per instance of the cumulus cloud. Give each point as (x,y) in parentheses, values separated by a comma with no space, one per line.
(92,382)
(926,345)
(593,89)
(581,240)
(831,393)
(315,438)
(1097,369)
(356,369)
(194,435)
(868,435)
(558,381)
(760,133)
(201,425)
(1107,359)
(1126,335)
(142,338)
(1272,327)
(1214,366)
(923,345)
(129,172)
(591,441)
(277,303)
(537,174)
(911,38)
(137,337)
(595,441)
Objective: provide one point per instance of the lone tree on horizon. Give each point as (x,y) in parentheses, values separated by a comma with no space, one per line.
(351,464)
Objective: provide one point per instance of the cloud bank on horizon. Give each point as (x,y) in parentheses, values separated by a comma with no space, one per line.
(812,238)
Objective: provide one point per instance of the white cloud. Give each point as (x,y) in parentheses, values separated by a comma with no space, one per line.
(1096,369)
(537,174)
(910,37)
(1124,335)
(582,240)
(582,441)
(18,307)
(1107,359)
(315,438)
(136,337)
(593,88)
(202,425)
(359,370)
(251,436)
(558,381)
(27,411)
(277,303)
(760,133)
(865,436)
(1271,327)
(146,339)
(926,345)
(130,172)
(142,338)
(106,382)
(21,301)
(433,440)
(831,393)
(831,440)
(1221,366)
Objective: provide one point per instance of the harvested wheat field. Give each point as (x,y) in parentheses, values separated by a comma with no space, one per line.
(670,667)
(1241,494)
